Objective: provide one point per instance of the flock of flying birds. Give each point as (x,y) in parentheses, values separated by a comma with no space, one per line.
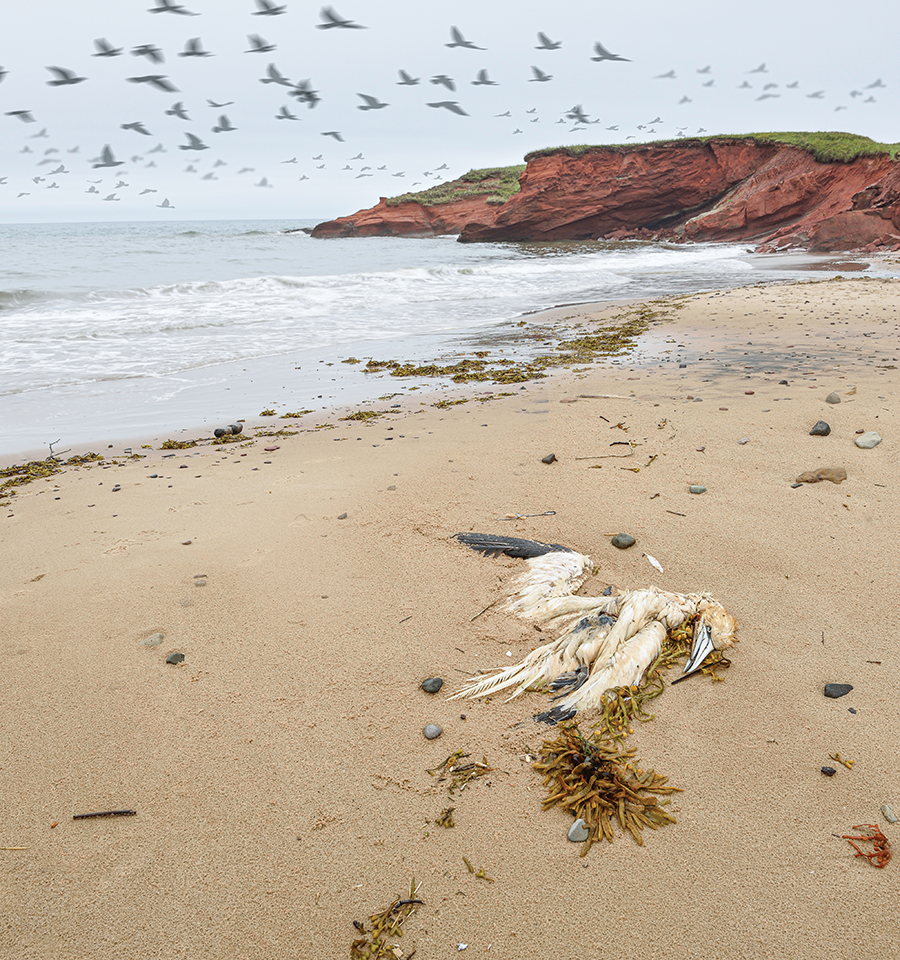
(303,94)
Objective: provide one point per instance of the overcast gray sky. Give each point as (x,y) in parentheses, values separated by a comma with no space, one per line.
(784,51)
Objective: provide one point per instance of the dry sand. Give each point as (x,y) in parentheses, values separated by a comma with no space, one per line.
(279,774)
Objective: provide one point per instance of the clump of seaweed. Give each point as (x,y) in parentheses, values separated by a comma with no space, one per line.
(376,943)
(21,473)
(445,820)
(366,414)
(295,414)
(593,779)
(460,774)
(268,412)
(178,444)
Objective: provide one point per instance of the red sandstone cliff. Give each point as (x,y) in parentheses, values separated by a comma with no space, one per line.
(733,190)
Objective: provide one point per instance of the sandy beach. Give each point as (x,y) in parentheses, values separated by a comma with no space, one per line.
(279,774)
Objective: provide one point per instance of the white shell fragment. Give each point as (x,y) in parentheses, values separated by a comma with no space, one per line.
(654,562)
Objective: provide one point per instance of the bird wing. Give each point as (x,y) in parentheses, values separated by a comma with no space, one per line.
(194,140)
(457,36)
(328,13)
(545,40)
(161,83)
(371,101)
(107,155)
(62,73)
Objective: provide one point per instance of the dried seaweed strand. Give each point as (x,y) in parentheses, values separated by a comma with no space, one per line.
(591,778)
(376,944)
(460,774)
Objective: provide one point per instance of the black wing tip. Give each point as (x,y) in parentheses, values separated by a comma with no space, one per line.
(554,716)
(493,545)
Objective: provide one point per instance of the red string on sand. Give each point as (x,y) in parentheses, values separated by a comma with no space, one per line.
(881,854)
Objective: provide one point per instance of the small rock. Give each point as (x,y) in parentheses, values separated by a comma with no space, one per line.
(888,812)
(236,428)
(623,541)
(832,398)
(432,684)
(221,432)
(820,429)
(783,383)
(175,658)
(432,731)
(697,488)
(744,440)
(550,458)
(851,710)
(117,488)
(834,474)
(829,771)
(835,690)
(342,516)
(868,440)
(749,393)
(186,543)
(578,832)
(199,583)
(271,449)
(795,485)
(154,640)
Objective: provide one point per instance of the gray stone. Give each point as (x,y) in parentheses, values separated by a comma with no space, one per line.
(783,383)
(835,690)
(623,541)
(744,440)
(175,658)
(342,516)
(236,427)
(829,771)
(832,398)
(795,485)
(578,832)
(432,731)
(820,429)
(154,640)
(550,458)
(868,440)
(221,432)
(697,488)
(888,812)
(432,684)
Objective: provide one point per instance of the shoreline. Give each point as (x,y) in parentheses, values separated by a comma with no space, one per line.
(279,774)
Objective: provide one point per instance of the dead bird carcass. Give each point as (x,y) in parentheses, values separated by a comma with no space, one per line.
(606,643)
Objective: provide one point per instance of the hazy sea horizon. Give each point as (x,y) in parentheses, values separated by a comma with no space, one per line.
(122,330)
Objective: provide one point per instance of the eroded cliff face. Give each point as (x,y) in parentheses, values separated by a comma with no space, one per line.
(772,195)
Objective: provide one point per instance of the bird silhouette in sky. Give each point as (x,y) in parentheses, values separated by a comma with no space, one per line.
(64,77)
(545,43)
(333,133)
(209,176)
(165,205)
(874,86)
(218,106)
(137,126)
(194,143)
(148,50)
(460,41)
(223,126)
(285,114)
(168,6)
(177,110)
(268,9)
(604,54)
(483,80)
(264,183)
(112,196)
(539,76)
(108,159)
(406,80)
(333,19)
(146,190)
(371,103)
(669,75)
(450,105)
(194,48)
(760,69)
(157,81)
(258,45)
(444,80)
(3,73)
(24,115)
(816,95)
(704,69)
(92,189)
(274,75)
(106,49)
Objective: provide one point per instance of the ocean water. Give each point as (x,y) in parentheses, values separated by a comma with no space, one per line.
(119,330)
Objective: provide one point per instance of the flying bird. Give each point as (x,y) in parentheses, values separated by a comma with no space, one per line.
(539,76)
(268,9)
(64,77)
(460,41)
(333,19)
(146,190)
(687,99)
(577,114)
(218,106)
(604,54)
(333,133)
(156,80)
(704,69)
(194,48)
(874,86)
(92,189)
(3,73)
(120,184)
(604,642)
(168,6)
(450,105)
(371,103)
(359,156)
(264,183)
(177,110)
(547,44)
(507,114)
(816,95)
(246,170)
(792,86)
(708,83)
(402,173)
(274,75)
(760,69)
(304,177)
(305,94)
(483,80)
(670,75)
(209,176)
(406,80)
(60,169)
(224,125)
(444,80)
(258,45)
(319,157)
(194,143)
(165,205)
(152,53)
(107,159)
(112,196)
(138,127)
(106,49)
(292,160)
(285,114)
(24,115)
(159,148)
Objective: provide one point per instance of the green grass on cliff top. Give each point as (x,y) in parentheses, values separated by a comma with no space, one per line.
(495,184)
(825,147)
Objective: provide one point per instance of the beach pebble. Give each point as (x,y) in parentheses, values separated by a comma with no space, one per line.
(697,488)
(829,771)
(783,383)
(832,398)
(175,658)
(432,731)
(154,640)
(834,474)
(820,429)
(851,710)
(271,449)
(795,485)
(236,427)
(221,432)
(342,516)
(623,541)
(432,684)
(868,440)
(749,393)
(888,812)
(116,488)
(744,440)
(835,690)
(550,458)
(578,832)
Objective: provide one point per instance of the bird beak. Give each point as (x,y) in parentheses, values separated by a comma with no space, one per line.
(703,647)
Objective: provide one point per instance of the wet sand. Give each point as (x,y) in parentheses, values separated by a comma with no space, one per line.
(279,773)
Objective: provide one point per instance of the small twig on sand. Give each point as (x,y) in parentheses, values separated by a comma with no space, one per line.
(674,514)
(480,612)
(105,813)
